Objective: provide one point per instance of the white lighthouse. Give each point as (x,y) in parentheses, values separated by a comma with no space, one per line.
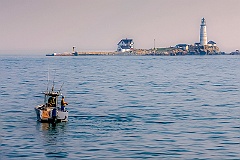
(203,33)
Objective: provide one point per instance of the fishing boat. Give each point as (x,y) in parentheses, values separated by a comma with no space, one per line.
(51,111)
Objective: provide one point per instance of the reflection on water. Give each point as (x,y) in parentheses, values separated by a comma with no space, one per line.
(53,139)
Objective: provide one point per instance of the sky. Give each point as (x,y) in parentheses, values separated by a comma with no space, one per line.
(48,26)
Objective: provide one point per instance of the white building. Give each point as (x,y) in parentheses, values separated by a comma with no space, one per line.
(182,46)
(211,44)
(125,45)
(203,33)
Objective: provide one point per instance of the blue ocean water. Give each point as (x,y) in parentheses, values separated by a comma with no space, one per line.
(123,107)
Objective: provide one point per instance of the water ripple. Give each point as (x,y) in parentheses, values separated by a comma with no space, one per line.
(123,108)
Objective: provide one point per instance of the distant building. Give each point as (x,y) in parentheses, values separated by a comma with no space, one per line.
(235,53)
(211,44)
(125,45)
(182,46)
(203,33)
(196,44)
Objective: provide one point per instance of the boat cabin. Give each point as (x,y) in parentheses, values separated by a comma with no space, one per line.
(51,98)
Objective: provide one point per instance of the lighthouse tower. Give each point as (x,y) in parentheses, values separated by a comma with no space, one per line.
(203,33)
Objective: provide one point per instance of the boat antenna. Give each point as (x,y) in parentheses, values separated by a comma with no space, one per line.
(53,80)
(48,79)
(60,88)
(46,93)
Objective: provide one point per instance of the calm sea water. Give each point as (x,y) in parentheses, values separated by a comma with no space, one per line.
(123,107)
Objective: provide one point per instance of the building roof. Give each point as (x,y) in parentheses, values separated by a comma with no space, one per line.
(126,41)
(211,42)
(181,45)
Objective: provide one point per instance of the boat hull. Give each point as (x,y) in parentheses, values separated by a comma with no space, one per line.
(61,116)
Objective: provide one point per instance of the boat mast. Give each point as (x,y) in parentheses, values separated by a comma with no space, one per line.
(45,95)
(53,80)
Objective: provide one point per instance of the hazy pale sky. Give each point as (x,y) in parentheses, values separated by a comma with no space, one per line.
(47,26)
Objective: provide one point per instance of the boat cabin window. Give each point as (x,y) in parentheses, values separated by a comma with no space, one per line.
(52,101)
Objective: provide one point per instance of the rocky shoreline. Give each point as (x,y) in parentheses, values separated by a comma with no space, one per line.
(170,51)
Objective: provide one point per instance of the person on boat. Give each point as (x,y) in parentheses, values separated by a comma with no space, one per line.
(45,114)
(51,102)
(63,104)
